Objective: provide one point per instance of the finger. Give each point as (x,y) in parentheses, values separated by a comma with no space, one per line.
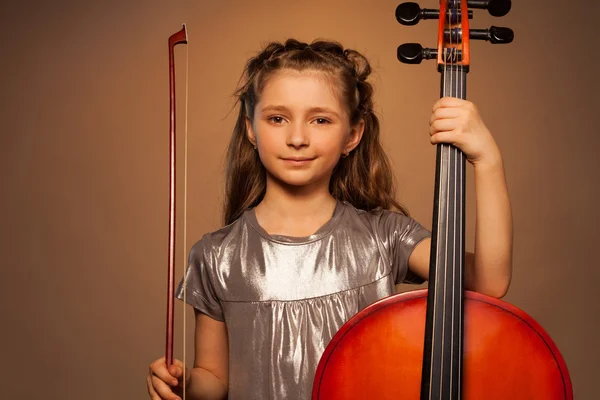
(444,113)
(159,369)
(443,125)
(151,391)
(174,371)
(445,137)
(177,368)
(163,390)
(449,102)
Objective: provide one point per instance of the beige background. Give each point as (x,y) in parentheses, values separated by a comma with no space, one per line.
(85,160)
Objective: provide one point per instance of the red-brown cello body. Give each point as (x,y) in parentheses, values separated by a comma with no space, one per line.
(444,343)
(378,354)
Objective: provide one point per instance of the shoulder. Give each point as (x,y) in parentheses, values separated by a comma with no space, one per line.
(389,225)
(379,218)
(212,243)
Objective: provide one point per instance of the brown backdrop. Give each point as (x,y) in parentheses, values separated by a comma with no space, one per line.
(84,165)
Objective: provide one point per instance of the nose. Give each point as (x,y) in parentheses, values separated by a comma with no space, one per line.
(298,135)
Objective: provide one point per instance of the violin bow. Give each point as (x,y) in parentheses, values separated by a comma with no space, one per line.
(175,39)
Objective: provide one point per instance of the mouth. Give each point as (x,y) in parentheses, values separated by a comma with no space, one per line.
(298,160)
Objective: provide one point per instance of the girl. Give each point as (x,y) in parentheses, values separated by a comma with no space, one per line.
(310,237)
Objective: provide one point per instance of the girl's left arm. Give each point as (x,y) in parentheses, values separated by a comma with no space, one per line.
(488,270)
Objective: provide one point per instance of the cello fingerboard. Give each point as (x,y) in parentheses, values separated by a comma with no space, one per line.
(442,355)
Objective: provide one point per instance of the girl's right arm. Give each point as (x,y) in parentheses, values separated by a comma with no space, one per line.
(209,377)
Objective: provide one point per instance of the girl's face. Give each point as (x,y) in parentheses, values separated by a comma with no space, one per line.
(301,128)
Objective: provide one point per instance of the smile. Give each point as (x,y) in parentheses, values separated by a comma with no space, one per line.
(297,161)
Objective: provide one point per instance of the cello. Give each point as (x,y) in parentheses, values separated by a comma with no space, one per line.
(444,342)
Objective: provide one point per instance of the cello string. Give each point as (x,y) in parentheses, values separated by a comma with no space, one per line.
(456,186)
(460,187)
(442,51)
(449,149)
(455,154)
(185,181)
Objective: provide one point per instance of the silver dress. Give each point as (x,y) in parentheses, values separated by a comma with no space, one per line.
(283,298)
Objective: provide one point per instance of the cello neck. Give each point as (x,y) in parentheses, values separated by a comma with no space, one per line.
(442,357)
(441,375)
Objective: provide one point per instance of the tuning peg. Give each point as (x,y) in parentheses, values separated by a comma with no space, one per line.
(414,53)
(496,8)
(411,13)
(495,35)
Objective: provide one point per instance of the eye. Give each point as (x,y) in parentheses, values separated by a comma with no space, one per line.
(276,119)
(322,121)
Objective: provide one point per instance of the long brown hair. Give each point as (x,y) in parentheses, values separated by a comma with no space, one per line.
(364,178)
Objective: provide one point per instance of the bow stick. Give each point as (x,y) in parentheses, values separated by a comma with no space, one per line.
(175,39)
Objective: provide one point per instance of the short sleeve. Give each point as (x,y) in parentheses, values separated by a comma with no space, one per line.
(401,234)
(200,292)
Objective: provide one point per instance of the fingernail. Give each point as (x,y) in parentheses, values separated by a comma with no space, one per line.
(174,382)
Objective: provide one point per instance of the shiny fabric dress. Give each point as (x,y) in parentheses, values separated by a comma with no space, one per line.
(283,298)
